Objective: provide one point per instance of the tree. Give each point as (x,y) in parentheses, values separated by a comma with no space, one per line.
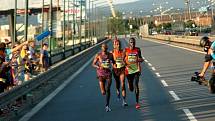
(116,25)
(164,26)
(190,23)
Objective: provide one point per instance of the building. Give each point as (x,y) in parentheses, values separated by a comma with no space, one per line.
(201,19)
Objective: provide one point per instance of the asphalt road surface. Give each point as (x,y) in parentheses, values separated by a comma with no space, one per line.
(166,92)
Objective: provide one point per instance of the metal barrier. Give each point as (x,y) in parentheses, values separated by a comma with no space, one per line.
(175,39)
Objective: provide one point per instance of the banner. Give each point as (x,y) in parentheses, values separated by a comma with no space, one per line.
(43,35)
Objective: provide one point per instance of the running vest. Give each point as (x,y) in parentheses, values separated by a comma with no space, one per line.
(104,60)
(119,59)
(131,59)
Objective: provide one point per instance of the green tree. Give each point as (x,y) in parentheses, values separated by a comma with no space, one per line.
(164,26)
(190,23)
(116,25)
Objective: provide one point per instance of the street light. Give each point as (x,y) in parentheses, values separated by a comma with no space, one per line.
(51,29)
(160,7)
(14,24)
(26,21)
(212,2)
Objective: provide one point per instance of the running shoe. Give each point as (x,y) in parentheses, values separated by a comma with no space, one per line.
(137,106)
(107,109)
(124,104)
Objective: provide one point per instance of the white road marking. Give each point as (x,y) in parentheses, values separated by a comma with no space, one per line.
(153,68)
(174,95)
(189,115)
(146,61)
(158,74)
(164,83)
(149,64)
(186,111)
(39,106)
(181,47)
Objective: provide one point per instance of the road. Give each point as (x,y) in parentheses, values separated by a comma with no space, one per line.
(166,92)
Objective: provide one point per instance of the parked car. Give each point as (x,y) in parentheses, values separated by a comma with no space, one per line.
(154,32)
(191,32)
(168,32)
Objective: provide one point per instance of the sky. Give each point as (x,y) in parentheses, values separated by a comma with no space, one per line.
(9,4)
(122,1)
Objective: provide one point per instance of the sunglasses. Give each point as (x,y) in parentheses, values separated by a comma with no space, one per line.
(132,42)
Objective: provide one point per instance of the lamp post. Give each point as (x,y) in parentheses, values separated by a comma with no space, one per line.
(73,25)
(160,7)
(14,26)
(51,30)
(212,2)
(80,26)
(85,18)
(64,28)
(26,21)
(89,14)
(124,18)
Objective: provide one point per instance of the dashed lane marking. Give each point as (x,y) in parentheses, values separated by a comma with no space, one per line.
(189,115)
(149,64)
(158,75)
(164,83)
(153,68)
(174,95)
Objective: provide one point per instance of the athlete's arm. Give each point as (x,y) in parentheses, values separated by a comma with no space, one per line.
(112,58)
(94,64)
(113,64)
(124,53)
(140,58)
(207,63)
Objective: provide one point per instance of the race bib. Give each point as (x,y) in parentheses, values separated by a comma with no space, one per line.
(105,64)
(119,63)
(132,58)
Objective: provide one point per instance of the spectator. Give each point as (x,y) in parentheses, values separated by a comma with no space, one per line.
(44,58)
(2,75)
(25,63)
(32,56)
(14,66)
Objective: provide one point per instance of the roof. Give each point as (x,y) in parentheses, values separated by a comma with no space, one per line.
(34,6)
(10,4)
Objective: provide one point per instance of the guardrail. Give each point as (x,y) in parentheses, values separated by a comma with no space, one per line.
(73,62)
(177,39)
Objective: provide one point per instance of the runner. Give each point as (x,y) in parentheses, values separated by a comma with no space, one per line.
(133,59)
(119,70)
(102,62)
